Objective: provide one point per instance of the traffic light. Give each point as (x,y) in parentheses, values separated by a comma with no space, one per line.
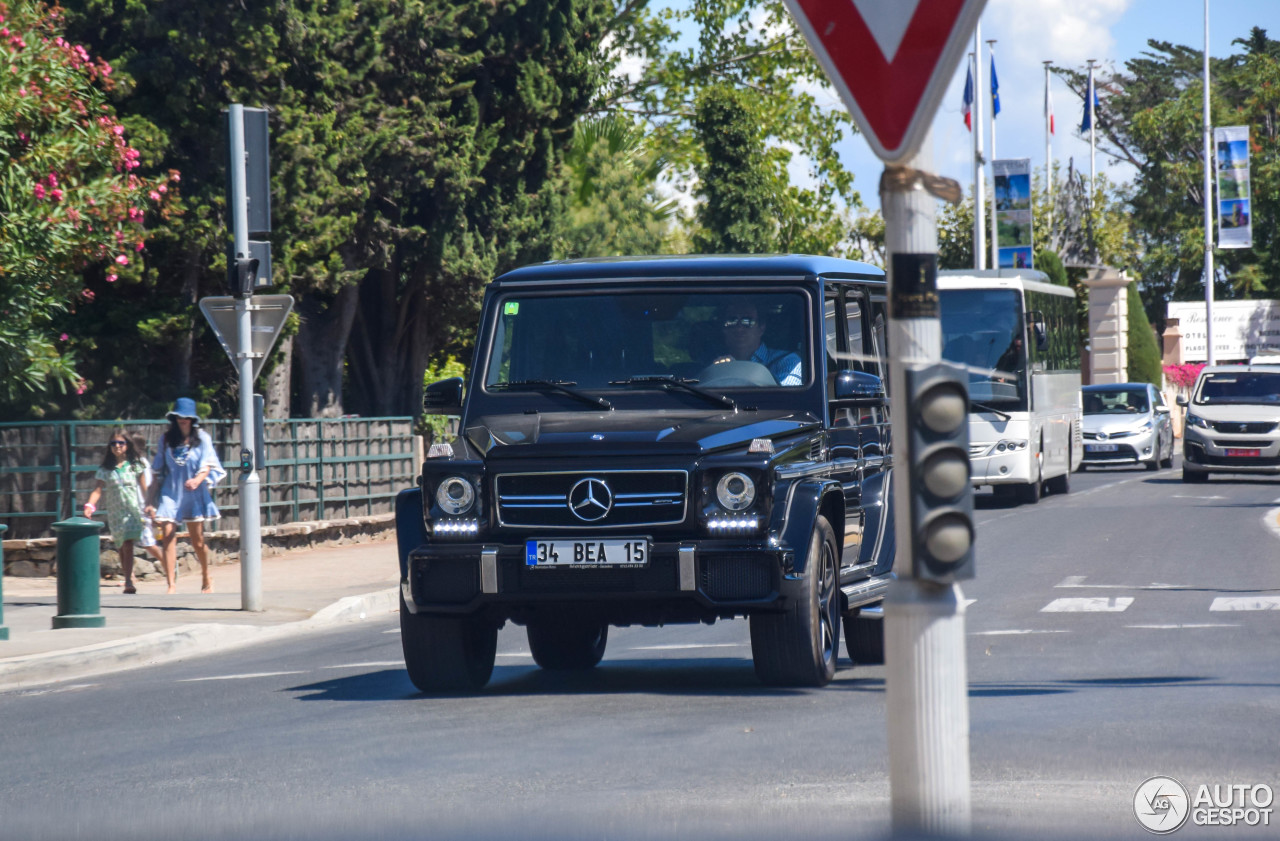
(938,457)
(242,276)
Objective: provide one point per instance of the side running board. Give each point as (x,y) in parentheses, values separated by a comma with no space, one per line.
(868,590)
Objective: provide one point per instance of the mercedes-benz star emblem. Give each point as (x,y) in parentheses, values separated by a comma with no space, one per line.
(590,499)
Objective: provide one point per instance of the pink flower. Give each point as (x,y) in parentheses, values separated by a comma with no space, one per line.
(63,337)
(53,179)
(122,260)
(57,195)
(4,32)
(87,294)
(112,278)
(153,195)
(22,91)
(138,247)
(118,130)
(162,188)
(39,191)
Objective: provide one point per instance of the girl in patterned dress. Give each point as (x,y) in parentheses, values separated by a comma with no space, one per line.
(120,485)
(186,468)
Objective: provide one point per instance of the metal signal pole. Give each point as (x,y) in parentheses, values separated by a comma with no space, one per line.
(995,230)
(1208,201)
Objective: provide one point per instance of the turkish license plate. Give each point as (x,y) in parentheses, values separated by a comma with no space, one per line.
(1101,448)
(1233,452)
(571,552)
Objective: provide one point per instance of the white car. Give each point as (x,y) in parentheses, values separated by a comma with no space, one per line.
(1233,422)
(1126,423)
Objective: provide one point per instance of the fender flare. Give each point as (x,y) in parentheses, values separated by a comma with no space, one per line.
(411,531)
(804,502)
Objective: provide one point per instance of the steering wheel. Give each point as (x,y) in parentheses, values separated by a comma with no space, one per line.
(736,372)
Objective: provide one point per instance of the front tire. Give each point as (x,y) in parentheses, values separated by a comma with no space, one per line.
(559,644)
(799,647)
(447,654)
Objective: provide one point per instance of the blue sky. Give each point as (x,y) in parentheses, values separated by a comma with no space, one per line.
(1067,32)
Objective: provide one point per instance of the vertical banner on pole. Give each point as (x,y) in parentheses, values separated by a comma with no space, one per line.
(1235,221)
(1013,212)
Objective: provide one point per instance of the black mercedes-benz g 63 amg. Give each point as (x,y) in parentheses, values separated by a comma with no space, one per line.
(656,440)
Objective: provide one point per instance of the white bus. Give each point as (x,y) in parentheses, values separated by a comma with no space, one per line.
(1016,335)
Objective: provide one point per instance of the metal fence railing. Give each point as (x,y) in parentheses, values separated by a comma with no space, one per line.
(316,469)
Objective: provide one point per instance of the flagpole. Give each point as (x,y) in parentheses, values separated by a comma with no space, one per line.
(1089,95)
(1048,145)
(995,231)
(979,174)
(1208,202)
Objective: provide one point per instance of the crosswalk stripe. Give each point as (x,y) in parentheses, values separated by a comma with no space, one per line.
(1246,603)
(1088,605)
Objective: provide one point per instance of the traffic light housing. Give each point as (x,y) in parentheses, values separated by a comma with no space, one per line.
(242,276)
(941,490)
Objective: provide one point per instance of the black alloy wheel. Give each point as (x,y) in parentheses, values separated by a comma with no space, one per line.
(447,654)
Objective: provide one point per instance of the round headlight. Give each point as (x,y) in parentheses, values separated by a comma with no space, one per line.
(736,491)
(455,495)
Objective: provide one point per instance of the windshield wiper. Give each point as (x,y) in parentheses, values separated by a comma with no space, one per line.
(665,380)
(992,409)
(562,386)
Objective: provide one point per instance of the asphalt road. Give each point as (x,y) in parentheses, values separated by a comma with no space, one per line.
(1124,630)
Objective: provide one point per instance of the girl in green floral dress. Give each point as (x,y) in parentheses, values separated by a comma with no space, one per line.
(121,486)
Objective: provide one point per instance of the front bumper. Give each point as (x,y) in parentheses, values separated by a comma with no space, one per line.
(682,580)
(1205,450)
(1129,449)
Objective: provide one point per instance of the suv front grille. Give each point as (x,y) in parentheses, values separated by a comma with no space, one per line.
(1258,428)
(634,498)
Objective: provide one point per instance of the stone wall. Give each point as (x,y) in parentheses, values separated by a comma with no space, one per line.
(38,557)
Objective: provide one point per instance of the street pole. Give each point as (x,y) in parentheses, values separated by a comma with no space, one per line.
(1048,145)
(1208,201)
(979,161)
(1090,95)
(250,509)
(926,681)
(995,231)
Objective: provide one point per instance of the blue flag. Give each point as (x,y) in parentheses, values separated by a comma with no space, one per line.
(995,90)
(1090,93)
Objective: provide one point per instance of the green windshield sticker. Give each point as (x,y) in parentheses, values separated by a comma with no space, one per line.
(511,308)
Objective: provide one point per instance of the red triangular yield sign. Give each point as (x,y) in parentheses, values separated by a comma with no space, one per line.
(890,60)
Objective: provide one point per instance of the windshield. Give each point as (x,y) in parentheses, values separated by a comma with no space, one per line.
(1116,402)
(717,339)
(1244,387)
(982,330)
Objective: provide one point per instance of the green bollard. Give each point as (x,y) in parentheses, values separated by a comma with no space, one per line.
(4,632)
(79,574)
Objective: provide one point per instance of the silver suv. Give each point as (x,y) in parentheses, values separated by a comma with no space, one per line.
(1126,423)
(1233,422)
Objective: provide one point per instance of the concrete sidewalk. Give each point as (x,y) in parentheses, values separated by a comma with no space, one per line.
(302,590)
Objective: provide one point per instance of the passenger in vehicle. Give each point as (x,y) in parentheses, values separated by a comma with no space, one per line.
(743,333)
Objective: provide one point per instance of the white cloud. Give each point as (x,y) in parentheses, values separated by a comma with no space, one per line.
(1062,31)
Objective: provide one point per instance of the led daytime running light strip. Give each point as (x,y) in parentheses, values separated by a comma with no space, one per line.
(456,527)
(725,523)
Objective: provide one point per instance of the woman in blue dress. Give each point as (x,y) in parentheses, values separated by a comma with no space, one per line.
(186,469)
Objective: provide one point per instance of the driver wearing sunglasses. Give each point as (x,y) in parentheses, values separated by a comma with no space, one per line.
(743,330)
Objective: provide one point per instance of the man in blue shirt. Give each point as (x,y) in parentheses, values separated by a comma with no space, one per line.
(743,333)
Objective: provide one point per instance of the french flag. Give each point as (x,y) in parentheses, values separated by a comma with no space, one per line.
(1048,107)
(967,106)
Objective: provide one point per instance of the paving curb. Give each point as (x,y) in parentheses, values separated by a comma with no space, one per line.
(179,642)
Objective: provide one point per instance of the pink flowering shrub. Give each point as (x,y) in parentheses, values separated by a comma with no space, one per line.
(71,197)
(1183,376)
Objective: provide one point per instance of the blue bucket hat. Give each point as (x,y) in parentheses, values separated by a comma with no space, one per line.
(184,407)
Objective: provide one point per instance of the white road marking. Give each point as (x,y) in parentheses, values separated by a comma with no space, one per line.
(1191,496)
(515,654)
(1088,605)
(1077,582)
(375,664)
(238,677)
(53,690)
(681,647)
(392,631)
(1246,603)
(1013,633)
(1190,625)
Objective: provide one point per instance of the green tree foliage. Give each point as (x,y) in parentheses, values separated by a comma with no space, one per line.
(1151,117)
(754,48)
(737,212)
(71,202)
(1145,363)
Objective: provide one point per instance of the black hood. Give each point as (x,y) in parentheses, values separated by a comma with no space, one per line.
(579,433)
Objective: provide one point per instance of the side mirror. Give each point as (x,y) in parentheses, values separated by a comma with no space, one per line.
(443,398)
(858,388)
(1039,331)
(1182,400)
